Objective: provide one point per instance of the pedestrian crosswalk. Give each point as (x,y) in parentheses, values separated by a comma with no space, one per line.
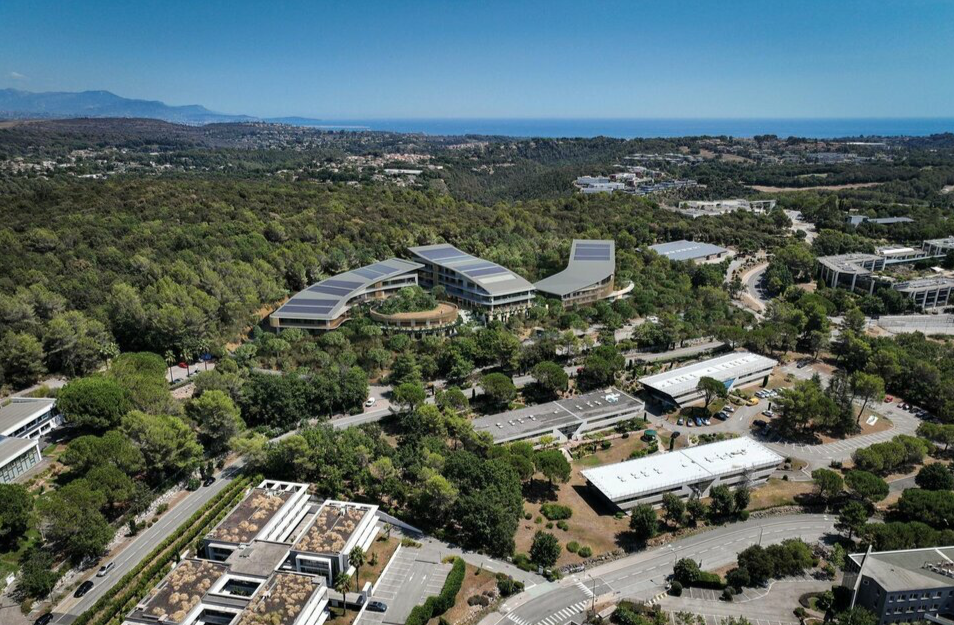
(557,618)
(583,587)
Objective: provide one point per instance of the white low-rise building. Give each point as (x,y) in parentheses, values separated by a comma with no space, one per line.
(681,386)
(686,473)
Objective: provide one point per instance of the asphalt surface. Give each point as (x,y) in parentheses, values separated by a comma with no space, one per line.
(642,576)
(69,608)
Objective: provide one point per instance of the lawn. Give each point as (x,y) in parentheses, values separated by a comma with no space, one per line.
(380,553)
(593,523)
(778,492)
(10,560)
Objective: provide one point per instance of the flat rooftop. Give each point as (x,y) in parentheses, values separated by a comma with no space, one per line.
(924,283)
(259,559)
(12,447)
(281,601)
(16,410)
(725,368)
(848,263)
(524,422)
(332,527)
(910,569)
(250,516)
(686,250)
(685,466)
(183,589)
(591,261)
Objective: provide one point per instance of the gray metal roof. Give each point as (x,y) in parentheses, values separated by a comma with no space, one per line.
(328,299)
(909,569)
(686,250)
(544,418)
(849,263)
(20,409)
(11,448)
(591,261)
(491,277)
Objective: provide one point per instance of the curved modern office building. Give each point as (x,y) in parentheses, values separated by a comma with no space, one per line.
(588,276)
(489,290)
(325,305)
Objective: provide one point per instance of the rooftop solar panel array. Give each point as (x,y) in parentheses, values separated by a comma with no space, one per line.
(441,253)
(590,262)
(338,290)
(490,271)
(491,277)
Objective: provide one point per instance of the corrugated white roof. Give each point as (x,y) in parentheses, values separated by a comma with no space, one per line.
(686,466)
(723,368)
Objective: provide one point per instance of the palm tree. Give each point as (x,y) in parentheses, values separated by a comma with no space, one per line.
(170,360)
(342,581)
(356,558)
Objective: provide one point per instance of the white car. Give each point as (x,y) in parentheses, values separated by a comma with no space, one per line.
(370,402)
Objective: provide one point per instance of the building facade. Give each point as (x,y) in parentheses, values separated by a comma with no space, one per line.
(490,291)
(903,586)
(588,277)
(23,421)
(686,473)
(325,305)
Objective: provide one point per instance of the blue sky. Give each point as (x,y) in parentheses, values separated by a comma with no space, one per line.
(352,59)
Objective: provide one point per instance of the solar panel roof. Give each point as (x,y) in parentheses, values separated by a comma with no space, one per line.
(591,262)
(329,298)
(491,277)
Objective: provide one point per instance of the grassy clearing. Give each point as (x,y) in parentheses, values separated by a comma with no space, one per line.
(778,492)
(380,551)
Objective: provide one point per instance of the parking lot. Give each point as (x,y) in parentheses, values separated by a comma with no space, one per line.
(408,580)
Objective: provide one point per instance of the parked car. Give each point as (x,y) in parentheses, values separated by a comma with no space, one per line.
(905,406)
(888,399)
(209,481)
(768,413)
(721,416)
(377,606)
(802,363)
(728,409)
(707,421)
(759,423)
(84,588)
(183,365)
(370,402)
(105,569)
(44,620)
(680,421)
(754,401)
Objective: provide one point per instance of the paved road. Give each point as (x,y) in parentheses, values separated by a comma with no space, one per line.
(642,576)
(753,297)
(70,607)
(673,354)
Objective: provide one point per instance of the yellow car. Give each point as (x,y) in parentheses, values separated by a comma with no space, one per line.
(754,401)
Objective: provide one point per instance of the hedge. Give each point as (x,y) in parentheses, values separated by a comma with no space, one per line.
(708,580)
(112,606)
(435,606)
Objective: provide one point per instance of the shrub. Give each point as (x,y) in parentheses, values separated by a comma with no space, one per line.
(527,516)
(410,542)
(522,561)
(726,594)
(549,525)
(563,525)
(556,512)
(675,589)
(538,520)
(508,586)
(573,546)
(584,552)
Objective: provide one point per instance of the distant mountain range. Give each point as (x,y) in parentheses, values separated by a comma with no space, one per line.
(65,104)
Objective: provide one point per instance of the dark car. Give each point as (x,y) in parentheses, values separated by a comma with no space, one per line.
(759,423)
(84,588)
(377,606)
(44,620)
(209,481)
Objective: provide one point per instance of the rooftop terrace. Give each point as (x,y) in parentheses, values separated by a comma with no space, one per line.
(184,588)
(281,601)
(333,526)
(250,516)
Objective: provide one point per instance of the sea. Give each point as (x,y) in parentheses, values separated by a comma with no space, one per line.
(821,128)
